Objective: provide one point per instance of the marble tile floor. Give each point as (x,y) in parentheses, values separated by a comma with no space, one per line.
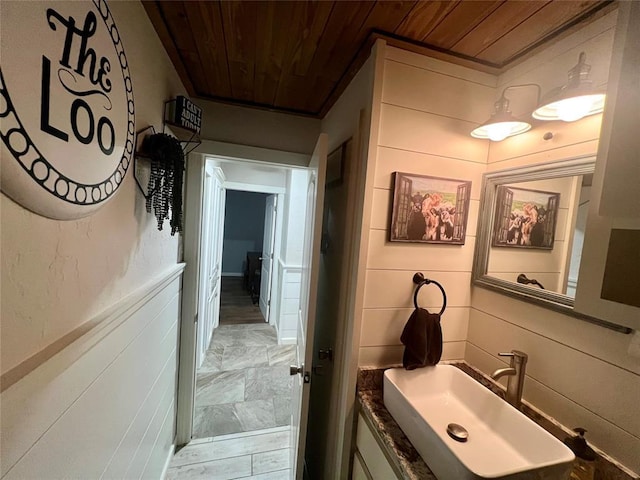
(244,382)
(258,455)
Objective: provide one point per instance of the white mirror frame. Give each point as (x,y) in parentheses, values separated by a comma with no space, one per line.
(490,181)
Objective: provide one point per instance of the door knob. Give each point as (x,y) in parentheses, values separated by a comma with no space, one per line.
(295,370)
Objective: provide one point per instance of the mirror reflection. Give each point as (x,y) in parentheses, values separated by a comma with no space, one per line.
(531,231)
(538,232)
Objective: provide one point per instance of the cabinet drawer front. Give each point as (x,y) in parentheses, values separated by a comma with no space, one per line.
(375,461)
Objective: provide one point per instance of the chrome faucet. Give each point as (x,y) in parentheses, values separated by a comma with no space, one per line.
(516,370)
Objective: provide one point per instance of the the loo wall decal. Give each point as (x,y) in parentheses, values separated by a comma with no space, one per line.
(66,107)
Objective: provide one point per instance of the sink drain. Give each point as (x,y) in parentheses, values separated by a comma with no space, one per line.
(457,432)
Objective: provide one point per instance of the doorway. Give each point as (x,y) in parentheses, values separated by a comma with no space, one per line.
(243,291)
(243,384)
(287,314)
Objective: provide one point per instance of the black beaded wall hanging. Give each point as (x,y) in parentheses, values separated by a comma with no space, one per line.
(163,192)
(167,153)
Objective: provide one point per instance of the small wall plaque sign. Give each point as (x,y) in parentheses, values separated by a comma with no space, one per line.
(185,114)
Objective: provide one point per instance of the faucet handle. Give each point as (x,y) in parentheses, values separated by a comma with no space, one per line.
(516,356)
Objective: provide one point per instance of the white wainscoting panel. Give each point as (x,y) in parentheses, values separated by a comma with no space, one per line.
(289,303)
(103,406)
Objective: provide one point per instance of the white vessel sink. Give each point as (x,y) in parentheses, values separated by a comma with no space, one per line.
(502,442)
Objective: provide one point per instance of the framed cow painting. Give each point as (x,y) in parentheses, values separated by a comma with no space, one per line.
(525,218)
(429,209)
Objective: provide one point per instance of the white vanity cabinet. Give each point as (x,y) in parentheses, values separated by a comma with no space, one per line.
(370,462)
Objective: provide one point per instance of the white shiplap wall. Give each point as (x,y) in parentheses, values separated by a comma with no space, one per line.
(428,108)
(103,407)
(579,373)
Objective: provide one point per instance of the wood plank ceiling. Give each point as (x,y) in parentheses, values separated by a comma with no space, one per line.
(298,56)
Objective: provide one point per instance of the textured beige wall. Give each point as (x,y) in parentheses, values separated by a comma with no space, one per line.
(56,275)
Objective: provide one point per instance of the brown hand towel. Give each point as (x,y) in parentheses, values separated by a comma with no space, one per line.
(422,338)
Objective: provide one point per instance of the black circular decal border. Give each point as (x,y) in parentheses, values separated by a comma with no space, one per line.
(45,174)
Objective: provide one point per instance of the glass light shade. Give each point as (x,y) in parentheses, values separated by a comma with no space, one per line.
(575,100)
(571,108)
(498,131)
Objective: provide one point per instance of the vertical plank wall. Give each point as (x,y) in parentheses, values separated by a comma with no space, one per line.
(428,109)
(578,373)
(103,407)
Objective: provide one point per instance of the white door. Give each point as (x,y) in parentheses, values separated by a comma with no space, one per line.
(210,258)
(268,247)
(308,297)
(215,271)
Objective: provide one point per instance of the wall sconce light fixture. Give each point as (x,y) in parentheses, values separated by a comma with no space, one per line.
(502,123)
(573,101)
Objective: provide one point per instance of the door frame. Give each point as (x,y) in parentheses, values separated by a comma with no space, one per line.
(194,185)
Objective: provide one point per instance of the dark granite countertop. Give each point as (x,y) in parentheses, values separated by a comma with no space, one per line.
(408,462)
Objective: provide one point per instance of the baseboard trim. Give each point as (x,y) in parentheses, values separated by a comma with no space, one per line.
(167,462)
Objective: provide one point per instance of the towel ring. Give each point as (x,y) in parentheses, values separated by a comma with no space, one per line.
(419,280)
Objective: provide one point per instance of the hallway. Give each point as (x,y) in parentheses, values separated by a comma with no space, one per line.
(244,382)
(243,398)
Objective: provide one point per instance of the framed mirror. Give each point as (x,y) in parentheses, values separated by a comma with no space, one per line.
(531,231)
